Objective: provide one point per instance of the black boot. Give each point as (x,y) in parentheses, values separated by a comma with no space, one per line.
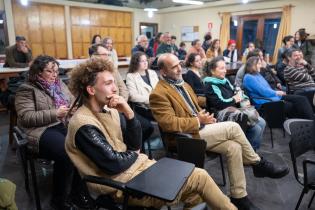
(244,204)
(267,169)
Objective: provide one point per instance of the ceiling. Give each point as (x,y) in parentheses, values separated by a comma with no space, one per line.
(159,4)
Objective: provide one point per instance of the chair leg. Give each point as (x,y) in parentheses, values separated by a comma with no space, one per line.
(149,148)
(125,204)
(300,199)
(24,160)
(310,203)
(34,180)
(222,170)
(271,137)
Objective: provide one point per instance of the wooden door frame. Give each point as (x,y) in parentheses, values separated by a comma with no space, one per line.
(260,25)
(154,25)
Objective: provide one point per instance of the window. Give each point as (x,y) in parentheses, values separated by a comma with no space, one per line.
(250,28)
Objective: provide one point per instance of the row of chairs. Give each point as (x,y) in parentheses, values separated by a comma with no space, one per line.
(302,140)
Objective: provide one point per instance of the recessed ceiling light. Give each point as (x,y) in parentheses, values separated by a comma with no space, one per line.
(150,11)
(245,1)
(188,2)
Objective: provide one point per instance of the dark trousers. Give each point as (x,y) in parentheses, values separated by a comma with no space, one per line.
(52,147)
(296,106)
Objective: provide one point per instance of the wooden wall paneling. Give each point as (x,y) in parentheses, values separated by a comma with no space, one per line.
(75,16)
(119,19)
(95,18)
(37,49)
(111,17)
(61,51)
(86,47)
(127,19)
(49,49)
(104,32)
(113,33)
(46,18)
(59,25)
(85,30)
(77,50)
(76,34)
(34,26)
(127,35)
(120,35)
(127,49)
(119,48)
(84,16)
(20,20)
(93,31)
(103,18)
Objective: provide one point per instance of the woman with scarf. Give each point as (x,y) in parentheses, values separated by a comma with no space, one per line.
(42,104)
(220,94)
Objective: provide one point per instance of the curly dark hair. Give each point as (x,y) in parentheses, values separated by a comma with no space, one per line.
(38,66)
(191,58)
(211,65)
(135,61)
(84,75)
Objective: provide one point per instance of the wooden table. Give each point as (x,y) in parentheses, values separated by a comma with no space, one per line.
(11,72)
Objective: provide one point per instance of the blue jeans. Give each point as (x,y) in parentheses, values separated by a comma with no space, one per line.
(254,134)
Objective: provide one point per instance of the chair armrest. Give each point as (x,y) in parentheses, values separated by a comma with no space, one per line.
(105,181)
(19,136)
(305,163)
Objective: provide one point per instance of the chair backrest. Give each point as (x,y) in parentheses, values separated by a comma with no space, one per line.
(302,139)
(273,113)
(19,136)
(191,150)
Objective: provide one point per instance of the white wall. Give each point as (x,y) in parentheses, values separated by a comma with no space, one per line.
(303,15)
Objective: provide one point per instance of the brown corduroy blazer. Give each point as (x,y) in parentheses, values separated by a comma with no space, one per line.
(171,112)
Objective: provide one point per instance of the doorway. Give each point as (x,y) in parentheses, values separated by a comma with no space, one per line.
(148,29)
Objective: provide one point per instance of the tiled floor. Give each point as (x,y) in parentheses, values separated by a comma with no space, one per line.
(268,194)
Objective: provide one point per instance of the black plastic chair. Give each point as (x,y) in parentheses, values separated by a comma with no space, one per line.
(273,113)
(28,157)
(190,150)
(105,201)
(302,140)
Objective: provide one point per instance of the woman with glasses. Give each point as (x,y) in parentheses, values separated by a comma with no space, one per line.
(140,80)
(108,44)
(42,104)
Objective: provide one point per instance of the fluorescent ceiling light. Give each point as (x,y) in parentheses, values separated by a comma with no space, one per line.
(245,1)
(150,9)
(24,2)
(188,2)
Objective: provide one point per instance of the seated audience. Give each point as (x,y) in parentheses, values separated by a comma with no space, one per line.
(221,94)
(250,47)
(175,108)
(214,50)
(258,88)
(181,51)
(108,43)
(18,55)
(140,82)
(157,41)
(288,42)
(165,46)
(97,147)
(280,66)
(207,40)
(99,51)
(230,54)
(266,71)
(196,48)
(42,104)
(174,46)
(142,46)
(299,74)
(97,39)
(193,77)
